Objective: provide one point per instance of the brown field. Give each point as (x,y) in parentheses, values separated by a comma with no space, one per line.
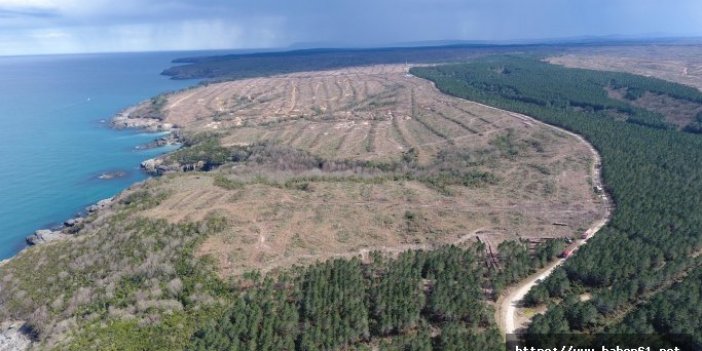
(375,113)
(371,113)
(675,63)
(677,112)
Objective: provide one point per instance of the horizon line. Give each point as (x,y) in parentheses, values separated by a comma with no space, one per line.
(437,43)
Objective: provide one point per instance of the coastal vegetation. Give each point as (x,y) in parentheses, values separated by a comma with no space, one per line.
(137,273)
(134,284)
(645,263)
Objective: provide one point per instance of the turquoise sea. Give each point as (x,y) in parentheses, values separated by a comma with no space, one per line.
(54,142)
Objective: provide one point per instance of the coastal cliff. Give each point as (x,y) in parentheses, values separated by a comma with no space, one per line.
(141,116)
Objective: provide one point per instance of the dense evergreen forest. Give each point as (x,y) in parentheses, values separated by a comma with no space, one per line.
(238,66)
(652,172)
(420,300)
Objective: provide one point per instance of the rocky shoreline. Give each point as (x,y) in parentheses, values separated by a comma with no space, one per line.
(13,335)
(143,116)
(140,116)
(172,138)
(70,226)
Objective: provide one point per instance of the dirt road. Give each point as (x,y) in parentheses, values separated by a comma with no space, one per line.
(508,304)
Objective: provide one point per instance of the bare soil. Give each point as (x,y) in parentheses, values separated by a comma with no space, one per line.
(371,113)
(675,63)
(677,112)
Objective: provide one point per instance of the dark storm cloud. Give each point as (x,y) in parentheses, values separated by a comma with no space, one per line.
(376,22)
(188,24)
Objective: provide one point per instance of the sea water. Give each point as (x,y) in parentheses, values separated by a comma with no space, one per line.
(55,139)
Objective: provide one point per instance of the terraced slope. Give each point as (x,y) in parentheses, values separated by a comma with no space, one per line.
(378,124)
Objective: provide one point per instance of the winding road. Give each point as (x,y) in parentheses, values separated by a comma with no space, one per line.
(507,304)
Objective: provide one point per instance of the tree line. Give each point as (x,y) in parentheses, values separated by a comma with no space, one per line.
(650,169)
(419,300)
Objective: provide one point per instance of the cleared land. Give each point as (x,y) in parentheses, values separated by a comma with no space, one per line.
(675,63)
(541,189)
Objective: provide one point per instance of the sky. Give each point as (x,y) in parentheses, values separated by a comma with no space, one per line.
(81,26)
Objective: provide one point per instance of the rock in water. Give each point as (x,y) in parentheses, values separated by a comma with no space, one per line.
(112,175)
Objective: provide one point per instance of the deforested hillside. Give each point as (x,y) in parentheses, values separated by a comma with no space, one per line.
(319,164)
(673,62)
(356,208)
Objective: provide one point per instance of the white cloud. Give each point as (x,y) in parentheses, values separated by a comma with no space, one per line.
(49,34)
